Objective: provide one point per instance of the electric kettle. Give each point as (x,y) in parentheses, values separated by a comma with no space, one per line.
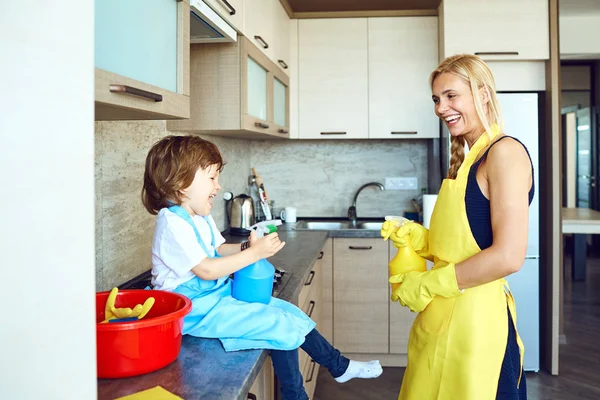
(240,211)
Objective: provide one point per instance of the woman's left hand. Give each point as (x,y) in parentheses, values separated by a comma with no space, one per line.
(417,289)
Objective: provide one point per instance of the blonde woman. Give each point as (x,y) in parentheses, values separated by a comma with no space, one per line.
(463,344)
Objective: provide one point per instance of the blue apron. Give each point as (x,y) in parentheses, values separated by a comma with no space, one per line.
(278,325)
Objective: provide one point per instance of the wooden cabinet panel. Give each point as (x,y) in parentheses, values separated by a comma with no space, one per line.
(360,295)
(264,384)
(220,92)
(233,12)
(333,78)
(153,84)
(497,30)
(402,54)
(259,24)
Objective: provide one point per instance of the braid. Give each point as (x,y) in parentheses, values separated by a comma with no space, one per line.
(457,151)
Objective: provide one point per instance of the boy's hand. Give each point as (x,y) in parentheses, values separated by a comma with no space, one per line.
(266,246)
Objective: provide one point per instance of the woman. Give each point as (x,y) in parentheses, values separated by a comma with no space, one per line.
(463,344)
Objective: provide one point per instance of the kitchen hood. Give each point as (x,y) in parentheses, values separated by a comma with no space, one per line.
(206,26)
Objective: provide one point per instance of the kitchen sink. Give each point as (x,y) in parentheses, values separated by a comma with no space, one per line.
(336,225)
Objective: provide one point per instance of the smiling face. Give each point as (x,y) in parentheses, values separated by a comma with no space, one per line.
(197,199)
(454,105)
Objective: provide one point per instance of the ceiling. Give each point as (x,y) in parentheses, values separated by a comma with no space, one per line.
(578,7)
(300,6)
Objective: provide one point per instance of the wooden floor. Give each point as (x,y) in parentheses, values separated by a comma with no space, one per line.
(579,376)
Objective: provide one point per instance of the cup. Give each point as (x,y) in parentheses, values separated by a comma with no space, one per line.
(288,214)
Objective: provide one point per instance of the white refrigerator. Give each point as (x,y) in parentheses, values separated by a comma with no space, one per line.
(521,120)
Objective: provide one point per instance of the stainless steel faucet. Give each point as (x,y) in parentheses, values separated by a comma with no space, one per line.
(352,209)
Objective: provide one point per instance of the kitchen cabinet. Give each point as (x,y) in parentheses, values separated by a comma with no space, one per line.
(263,387)
(236,90)
(333,78)
(360,295)
(231,11)
(142,59)
(281,42)
(310,300)
(260,24)
(496,30)
(402,54)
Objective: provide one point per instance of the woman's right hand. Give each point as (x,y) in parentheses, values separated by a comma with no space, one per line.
(266,246)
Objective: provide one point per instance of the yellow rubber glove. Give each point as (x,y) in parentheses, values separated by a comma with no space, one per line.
(417,289)
(139,311)
(417,233)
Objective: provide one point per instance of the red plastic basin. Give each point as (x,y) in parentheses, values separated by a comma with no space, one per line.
(138,347)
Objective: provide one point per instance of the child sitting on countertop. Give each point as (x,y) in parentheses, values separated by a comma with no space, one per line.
(190,257)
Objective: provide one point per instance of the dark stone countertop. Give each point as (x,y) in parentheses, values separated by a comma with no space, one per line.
(203,369)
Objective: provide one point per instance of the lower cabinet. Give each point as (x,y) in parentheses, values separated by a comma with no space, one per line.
(366,323)
(263,387)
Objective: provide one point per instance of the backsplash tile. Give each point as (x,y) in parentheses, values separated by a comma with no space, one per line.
(318,177)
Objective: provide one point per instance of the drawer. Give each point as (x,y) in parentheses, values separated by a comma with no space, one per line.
(310,372)
(310,281)
(313,308)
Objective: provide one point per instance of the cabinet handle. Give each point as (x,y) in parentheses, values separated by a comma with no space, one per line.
(312,371)
(311,309)
(260,39)
(136,92)
(311,276)
(231,9)
(404,133)
(283,64)
(496,53)
(360,247)
(333,133)
(251,396)
(321,254)
(261,125)
(283,131)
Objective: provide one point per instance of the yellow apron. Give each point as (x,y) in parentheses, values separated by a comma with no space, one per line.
(456,346)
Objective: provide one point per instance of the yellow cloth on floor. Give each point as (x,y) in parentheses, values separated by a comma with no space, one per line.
(156,393)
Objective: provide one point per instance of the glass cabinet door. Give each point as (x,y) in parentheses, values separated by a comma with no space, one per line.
(257,90)
(138,39)
(279,103)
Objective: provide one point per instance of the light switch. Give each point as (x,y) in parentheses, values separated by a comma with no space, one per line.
(401,183)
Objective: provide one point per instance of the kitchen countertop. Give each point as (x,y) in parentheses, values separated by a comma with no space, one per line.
(203,369)
(580,220)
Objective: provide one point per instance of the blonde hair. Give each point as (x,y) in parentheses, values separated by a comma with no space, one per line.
(477,74)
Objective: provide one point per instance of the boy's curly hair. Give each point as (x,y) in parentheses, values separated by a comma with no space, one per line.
(171,165)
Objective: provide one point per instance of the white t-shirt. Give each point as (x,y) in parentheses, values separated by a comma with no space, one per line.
(175,249)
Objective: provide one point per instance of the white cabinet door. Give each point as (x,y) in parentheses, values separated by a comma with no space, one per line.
(402,54)
(495,30)
(333,78)
(231,11)
(281,45)
(259,24)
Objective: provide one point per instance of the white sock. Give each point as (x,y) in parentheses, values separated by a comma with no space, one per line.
(361,369)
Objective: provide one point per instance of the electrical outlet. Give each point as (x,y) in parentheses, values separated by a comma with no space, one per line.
(401,183)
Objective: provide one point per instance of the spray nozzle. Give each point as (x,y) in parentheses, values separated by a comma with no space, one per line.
(265,227)
(398,222)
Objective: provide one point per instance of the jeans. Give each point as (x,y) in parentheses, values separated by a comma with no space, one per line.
(285,363)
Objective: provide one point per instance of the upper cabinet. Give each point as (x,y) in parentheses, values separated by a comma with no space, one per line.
(333,78)
(236,91)
(142,59)
(361,78)
(281,44)
(260,24)
(402,53)
(496,30)
(231,11)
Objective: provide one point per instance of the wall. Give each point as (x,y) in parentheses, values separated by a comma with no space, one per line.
(123,226)
(318,177)
(47,333)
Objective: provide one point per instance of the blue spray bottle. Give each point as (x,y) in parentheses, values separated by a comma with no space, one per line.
(254,283)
